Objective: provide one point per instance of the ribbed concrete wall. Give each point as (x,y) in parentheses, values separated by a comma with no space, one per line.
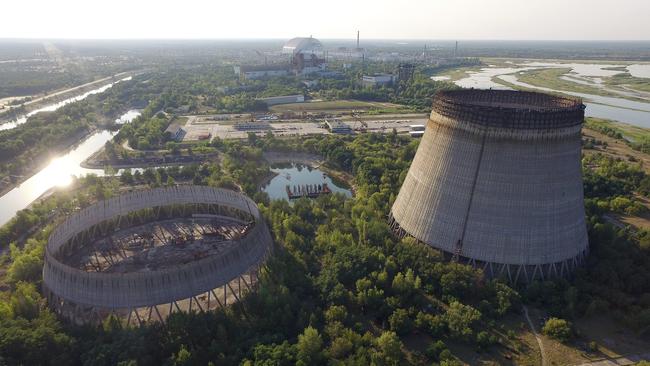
(494,190)
(138,289)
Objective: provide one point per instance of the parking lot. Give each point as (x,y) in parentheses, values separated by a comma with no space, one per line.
(225,129)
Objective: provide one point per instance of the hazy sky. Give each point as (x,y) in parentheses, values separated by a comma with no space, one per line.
(404,19)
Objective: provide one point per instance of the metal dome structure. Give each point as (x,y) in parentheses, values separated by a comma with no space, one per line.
(146,254)
(302,45)
(496,183)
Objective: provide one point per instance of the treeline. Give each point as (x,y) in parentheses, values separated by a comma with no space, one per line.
(30,143)
(639,141)
(339,286)
(615,279)
(417,94)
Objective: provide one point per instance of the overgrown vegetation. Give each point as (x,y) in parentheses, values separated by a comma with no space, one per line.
(635,137)
(340,287)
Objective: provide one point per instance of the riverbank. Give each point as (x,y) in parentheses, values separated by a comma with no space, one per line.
(153,161)
(277,157)
(42,162)
(561,79)
(61,95)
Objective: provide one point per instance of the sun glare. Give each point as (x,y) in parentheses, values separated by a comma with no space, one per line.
(57,173)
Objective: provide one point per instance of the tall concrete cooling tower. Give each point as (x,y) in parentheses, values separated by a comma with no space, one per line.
(496,183)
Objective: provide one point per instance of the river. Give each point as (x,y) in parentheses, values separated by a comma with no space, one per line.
(54,106)
(58,173)
(613,108)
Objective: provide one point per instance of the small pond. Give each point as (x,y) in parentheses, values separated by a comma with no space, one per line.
(299,175)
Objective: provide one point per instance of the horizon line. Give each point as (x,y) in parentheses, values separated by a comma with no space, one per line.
(322,38)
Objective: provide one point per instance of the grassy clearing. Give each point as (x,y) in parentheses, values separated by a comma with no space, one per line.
(632,134)
(181,121)
(627,80)
(612,340)
(616,68)
(551,78)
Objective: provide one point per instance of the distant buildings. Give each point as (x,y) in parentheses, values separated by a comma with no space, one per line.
(377,80)
(176,132)
(252,126)
(306,59)
(302,45)
(336,126)
(285,99)
(254,72)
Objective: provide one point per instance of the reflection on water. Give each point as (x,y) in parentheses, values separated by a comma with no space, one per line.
(639,71)
(635,113)
(55,106)
(618,109)
(585,70)
(128,116)
(58,173)
(298,175)
(483,79)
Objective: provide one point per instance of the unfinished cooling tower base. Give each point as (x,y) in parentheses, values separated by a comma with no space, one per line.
(146,254)
(214,299)
(513,273)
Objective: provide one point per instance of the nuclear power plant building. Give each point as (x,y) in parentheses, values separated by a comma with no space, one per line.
(496,183)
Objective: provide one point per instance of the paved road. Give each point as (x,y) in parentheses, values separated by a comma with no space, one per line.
(201,125)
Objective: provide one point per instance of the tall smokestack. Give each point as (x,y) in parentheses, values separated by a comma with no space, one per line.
(357,39)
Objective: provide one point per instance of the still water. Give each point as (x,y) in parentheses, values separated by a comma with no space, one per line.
(55,106)
(58,173)
(298,175)
(618,109)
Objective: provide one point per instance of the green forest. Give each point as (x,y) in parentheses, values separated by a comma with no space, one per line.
(339,288)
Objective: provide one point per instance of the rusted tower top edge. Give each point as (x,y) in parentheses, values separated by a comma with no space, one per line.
(509,109)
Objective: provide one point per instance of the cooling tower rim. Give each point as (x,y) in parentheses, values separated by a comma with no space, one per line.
(157,286)
(509,109)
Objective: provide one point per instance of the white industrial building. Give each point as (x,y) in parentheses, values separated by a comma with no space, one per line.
(377,80)
(285,99)
(336,126)
(255,72)
(176,132)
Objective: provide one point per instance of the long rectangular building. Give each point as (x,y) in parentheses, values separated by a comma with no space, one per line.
(253,72)
(284,99)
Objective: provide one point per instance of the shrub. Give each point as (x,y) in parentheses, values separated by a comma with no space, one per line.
(558,329)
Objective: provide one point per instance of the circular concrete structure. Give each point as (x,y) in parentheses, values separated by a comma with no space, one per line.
(146,254)
(496,182)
